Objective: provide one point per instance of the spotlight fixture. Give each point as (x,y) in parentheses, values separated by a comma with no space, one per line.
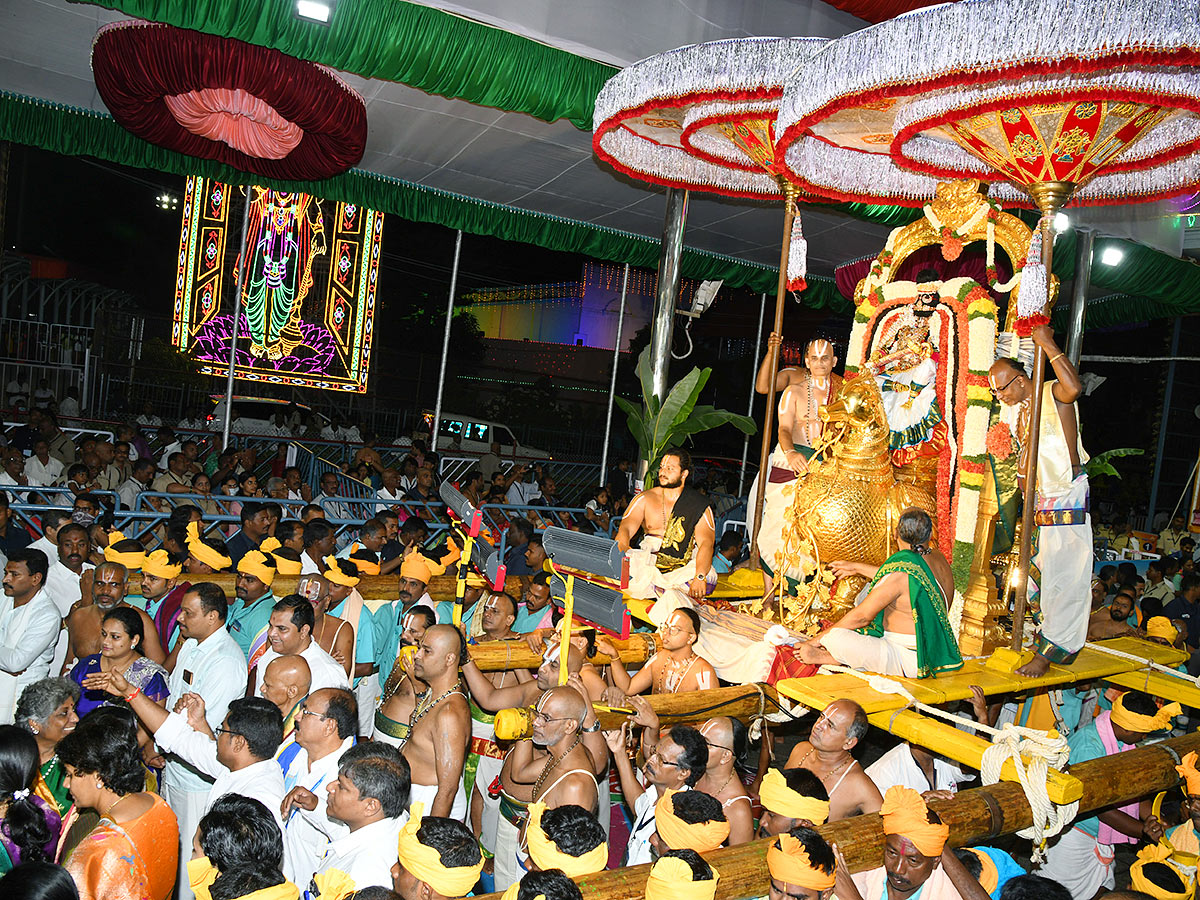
(315,10)
(167,201)
(1112,256)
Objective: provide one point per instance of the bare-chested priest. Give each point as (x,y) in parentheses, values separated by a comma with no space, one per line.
(902,626)
(802,393)
(440,725)
(673,561)
(552,767)
(826,753)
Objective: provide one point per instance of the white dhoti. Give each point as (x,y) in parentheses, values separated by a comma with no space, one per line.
(1080,863)
(646,582)
(509,863)
(1064,561)
(732,643)
(188,807)
(425,793)
(366,692)
(487,772)
(892,654)
(777,506)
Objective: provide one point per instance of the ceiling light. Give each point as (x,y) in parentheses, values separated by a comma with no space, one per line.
(1112,256)
(1061,222)
(315,10)
(166,201)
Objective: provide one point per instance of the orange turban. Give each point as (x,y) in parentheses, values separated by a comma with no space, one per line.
(197,547)
(905,813)
(1189,773)
(681,835)
(159,565)
(335,573)
(788,861)
(254,563)
(672,879)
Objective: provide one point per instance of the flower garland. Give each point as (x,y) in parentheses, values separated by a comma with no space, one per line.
(953,238)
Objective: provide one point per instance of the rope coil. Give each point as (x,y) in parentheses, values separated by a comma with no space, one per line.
(1010,742)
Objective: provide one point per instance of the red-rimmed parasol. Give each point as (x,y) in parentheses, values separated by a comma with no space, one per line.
(703,118)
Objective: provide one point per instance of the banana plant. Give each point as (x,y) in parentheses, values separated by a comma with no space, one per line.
(658,428)
(1100,465)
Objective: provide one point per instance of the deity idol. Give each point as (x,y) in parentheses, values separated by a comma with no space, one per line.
(285,232)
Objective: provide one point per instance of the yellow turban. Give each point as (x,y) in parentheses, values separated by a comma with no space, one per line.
(130,559)
(671,879)
(420,567)
(254,562)
(546,854)
(1189,773)
(788,861)
(203,552)
(425,863)
(367,562)
(335,573)
(285,566)
(269,545)
(905,813)
(1132,721)
(1161,627)
(681,835)
(989,875)
(783,801)
(1159,853)
(159,565)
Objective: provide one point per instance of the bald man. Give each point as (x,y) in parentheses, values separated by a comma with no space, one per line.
(552,767)
(826,753)
(440,725)
(110,581)
(286,682)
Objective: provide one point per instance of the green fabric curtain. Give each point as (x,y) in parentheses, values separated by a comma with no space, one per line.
(392,40)
(76,132)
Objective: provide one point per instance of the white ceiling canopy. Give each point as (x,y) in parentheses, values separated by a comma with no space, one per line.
(508,158)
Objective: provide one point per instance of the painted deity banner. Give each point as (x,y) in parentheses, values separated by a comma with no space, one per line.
(308,305)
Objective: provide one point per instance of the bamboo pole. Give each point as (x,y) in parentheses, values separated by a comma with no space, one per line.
(372,587)
(1050,197)
(768,437)
(974,816)
(499,656)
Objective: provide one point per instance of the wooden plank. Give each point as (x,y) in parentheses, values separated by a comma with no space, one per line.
(1159,684)
(966,748)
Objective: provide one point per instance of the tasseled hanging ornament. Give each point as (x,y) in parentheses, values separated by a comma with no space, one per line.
(797,265)
(1031,296)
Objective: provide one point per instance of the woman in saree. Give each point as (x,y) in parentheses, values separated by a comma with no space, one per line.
(46,709)
(29,825)
(132,853)
(121,637)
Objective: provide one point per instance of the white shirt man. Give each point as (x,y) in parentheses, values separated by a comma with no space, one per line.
(898,766)
(326,671)
(211,664)
(307,827)
(43,474)
(29,626)
(522,493)
(290,633)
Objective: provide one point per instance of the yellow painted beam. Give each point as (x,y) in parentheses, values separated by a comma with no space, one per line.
(1159,684)
(966,748)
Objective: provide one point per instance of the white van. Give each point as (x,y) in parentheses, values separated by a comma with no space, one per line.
(472,435)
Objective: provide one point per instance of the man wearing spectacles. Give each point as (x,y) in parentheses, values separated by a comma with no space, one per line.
(1064,536)
(677,762)
(552,767)
(325,730)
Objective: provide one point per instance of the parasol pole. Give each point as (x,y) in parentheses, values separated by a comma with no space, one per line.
(764,457)
(1050,197)
(762,314)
